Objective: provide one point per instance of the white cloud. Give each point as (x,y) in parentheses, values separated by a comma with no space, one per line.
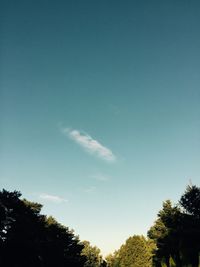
(90,145)
(52,198)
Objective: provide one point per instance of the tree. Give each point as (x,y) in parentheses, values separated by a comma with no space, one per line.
(136,252)
(166,233)
(177,231)
(111,259)
(60,246)
(190,201)
(18,227)
(28,238)
(92,254)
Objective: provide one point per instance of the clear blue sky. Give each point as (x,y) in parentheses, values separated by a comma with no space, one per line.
(100,109)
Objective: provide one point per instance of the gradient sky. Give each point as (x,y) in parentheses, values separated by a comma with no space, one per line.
(100,109)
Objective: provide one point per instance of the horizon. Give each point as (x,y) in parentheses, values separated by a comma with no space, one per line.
(100,110)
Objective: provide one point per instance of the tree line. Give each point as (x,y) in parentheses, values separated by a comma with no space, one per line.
(31,239)
(172,241)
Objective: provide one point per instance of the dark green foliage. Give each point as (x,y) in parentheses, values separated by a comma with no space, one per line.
(177,231)
(190,201)
(28,238)
(165,232)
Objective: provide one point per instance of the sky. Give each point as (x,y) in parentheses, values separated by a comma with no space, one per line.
(100,110)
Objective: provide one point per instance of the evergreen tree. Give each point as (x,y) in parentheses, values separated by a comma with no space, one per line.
(177,231)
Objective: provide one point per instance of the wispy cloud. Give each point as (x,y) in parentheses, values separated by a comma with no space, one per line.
(52,198)
(90,145)
(101,177)
(90,189)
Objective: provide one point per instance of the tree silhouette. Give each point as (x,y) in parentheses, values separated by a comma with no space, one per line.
(190,201)
(166,232)
(177,231)
(29,239)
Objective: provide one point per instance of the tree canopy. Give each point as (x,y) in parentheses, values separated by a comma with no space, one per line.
(177,231)
(190,201)
(136,252)
(92,254)
(28,238)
